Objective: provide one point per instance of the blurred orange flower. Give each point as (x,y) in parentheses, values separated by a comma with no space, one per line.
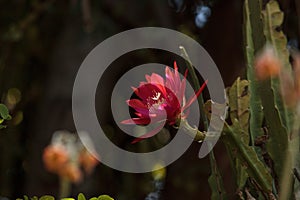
(288,90)
(55,157)
(88,161)
(267,64)
(296,66)
(65,156)
(71,172)
(290,85)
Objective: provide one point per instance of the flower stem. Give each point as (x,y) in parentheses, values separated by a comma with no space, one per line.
(193,132)
(290,160)
(198,135)
(65,187)
(197,86)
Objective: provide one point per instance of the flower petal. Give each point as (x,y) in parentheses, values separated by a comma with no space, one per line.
(146,91)
(157,79)
(177,79)
(170,79)
(182,92)
(194,97)
(149,134)
(139,106)
(138,121)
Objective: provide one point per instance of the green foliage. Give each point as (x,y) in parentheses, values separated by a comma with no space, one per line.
(102,197)
(215,180)
(30,198)
(4,115)
(238,97)
(105,197)
(271,99)
(272,20)
(248,160)
(267,109)
(47,197)
(80,197)
(256,112)
(196,84)
(243,157)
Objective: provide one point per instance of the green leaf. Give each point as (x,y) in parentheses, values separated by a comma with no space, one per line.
(236,140)
(256,24)
(4,113)
(277,116)
(105,197)
(47,197)
(256,112)
(215,181)
(241,174)
(238,96)
(2,126)
(8,117)
(81,197)
(272,20)
(196,84)
(239,103)
(94,198)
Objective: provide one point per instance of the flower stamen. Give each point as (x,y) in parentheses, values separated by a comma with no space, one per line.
(156,97)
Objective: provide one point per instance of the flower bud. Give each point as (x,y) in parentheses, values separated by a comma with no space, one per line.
(267,64)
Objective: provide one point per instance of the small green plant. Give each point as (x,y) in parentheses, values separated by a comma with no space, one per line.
(79,197)
(4,115)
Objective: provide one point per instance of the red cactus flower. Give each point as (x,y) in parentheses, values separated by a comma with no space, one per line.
(162,101)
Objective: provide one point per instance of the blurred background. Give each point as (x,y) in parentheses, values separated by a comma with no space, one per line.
(42,45)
